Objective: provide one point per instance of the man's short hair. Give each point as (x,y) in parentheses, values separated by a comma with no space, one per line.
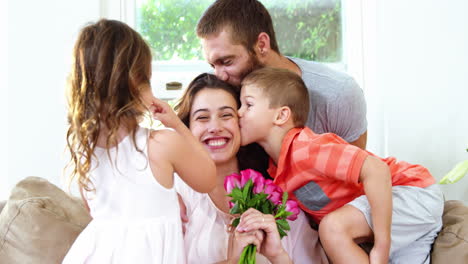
(243,19)
(283,88)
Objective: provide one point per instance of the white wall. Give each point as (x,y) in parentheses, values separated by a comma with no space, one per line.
(4,106)
(415,73)
(422,82)
(40,37)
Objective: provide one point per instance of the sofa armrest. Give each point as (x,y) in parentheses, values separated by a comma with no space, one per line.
(39,223)
(452,241)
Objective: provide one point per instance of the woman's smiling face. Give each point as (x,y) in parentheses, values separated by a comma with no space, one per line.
(214,121)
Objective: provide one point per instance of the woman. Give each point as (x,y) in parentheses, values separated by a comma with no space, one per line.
(209,108)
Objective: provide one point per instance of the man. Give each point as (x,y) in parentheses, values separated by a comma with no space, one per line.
(238,37)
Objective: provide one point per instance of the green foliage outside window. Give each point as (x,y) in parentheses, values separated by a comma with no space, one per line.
(308,29)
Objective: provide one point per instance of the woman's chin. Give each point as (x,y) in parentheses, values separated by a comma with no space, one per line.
(223,159)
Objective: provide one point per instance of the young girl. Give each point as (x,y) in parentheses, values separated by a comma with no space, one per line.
(125,172)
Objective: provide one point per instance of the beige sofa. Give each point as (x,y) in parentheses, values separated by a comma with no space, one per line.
(39,223)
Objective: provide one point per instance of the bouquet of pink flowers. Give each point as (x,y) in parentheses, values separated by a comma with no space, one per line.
(250,189)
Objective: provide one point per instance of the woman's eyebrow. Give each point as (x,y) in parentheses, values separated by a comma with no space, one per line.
(206,109)
(200,110)
(226,107)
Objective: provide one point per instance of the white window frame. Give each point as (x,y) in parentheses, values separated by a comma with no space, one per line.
(352,57)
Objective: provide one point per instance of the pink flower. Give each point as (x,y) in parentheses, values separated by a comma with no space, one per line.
(293,207)
(232,181)
(245,176)
(231,204)
(274,192)
(257,179)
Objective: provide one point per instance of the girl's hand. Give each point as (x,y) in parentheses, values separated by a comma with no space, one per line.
(271,246)
(163,112)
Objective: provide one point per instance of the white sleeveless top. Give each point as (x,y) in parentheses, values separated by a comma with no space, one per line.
(135,219)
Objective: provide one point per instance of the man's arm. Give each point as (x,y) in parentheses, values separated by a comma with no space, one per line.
(347,114)
(361,142)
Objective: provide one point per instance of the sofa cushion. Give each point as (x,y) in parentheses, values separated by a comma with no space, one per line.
(39,223)
(451,245)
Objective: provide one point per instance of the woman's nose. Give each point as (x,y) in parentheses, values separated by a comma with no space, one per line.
(215,126)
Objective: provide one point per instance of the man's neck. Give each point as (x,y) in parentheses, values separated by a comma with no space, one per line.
(276,60)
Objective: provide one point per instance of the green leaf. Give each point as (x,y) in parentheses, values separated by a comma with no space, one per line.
(235,209)
(236,194)
(283,224)
(460,170)
(253,202)
(280,211)
(235,222)
(246,190)
(267,208)
(287,213)
(285,198)
(257,200)
(281,233)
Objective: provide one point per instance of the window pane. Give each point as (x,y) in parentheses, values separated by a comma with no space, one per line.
(309,29)
(169,27)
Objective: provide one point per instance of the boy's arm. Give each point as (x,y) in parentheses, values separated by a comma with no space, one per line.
(376,178)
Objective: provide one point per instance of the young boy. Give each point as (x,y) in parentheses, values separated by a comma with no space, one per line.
(354,195)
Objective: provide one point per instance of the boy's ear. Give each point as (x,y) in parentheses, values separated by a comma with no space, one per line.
(283,115)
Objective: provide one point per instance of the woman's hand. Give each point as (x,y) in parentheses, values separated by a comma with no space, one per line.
(271,247)
(240,240)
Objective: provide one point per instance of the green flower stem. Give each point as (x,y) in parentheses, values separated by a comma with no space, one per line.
(248,255)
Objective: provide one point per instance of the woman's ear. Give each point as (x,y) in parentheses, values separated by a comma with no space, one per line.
(283,115)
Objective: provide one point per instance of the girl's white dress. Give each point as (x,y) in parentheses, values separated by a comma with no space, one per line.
(135,219)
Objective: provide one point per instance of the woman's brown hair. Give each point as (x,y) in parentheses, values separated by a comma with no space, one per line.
(112,63)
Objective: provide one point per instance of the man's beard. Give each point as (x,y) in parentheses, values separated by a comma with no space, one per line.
(253,64)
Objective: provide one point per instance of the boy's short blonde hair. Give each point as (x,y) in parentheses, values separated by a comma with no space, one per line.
(283,88)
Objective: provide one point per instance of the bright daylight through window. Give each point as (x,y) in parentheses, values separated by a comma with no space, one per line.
(309,29)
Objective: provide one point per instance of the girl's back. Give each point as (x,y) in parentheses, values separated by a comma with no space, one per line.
(125,185)
(135,219)
(124,173)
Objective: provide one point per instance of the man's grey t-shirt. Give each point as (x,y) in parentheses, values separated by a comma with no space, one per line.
(337,103)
